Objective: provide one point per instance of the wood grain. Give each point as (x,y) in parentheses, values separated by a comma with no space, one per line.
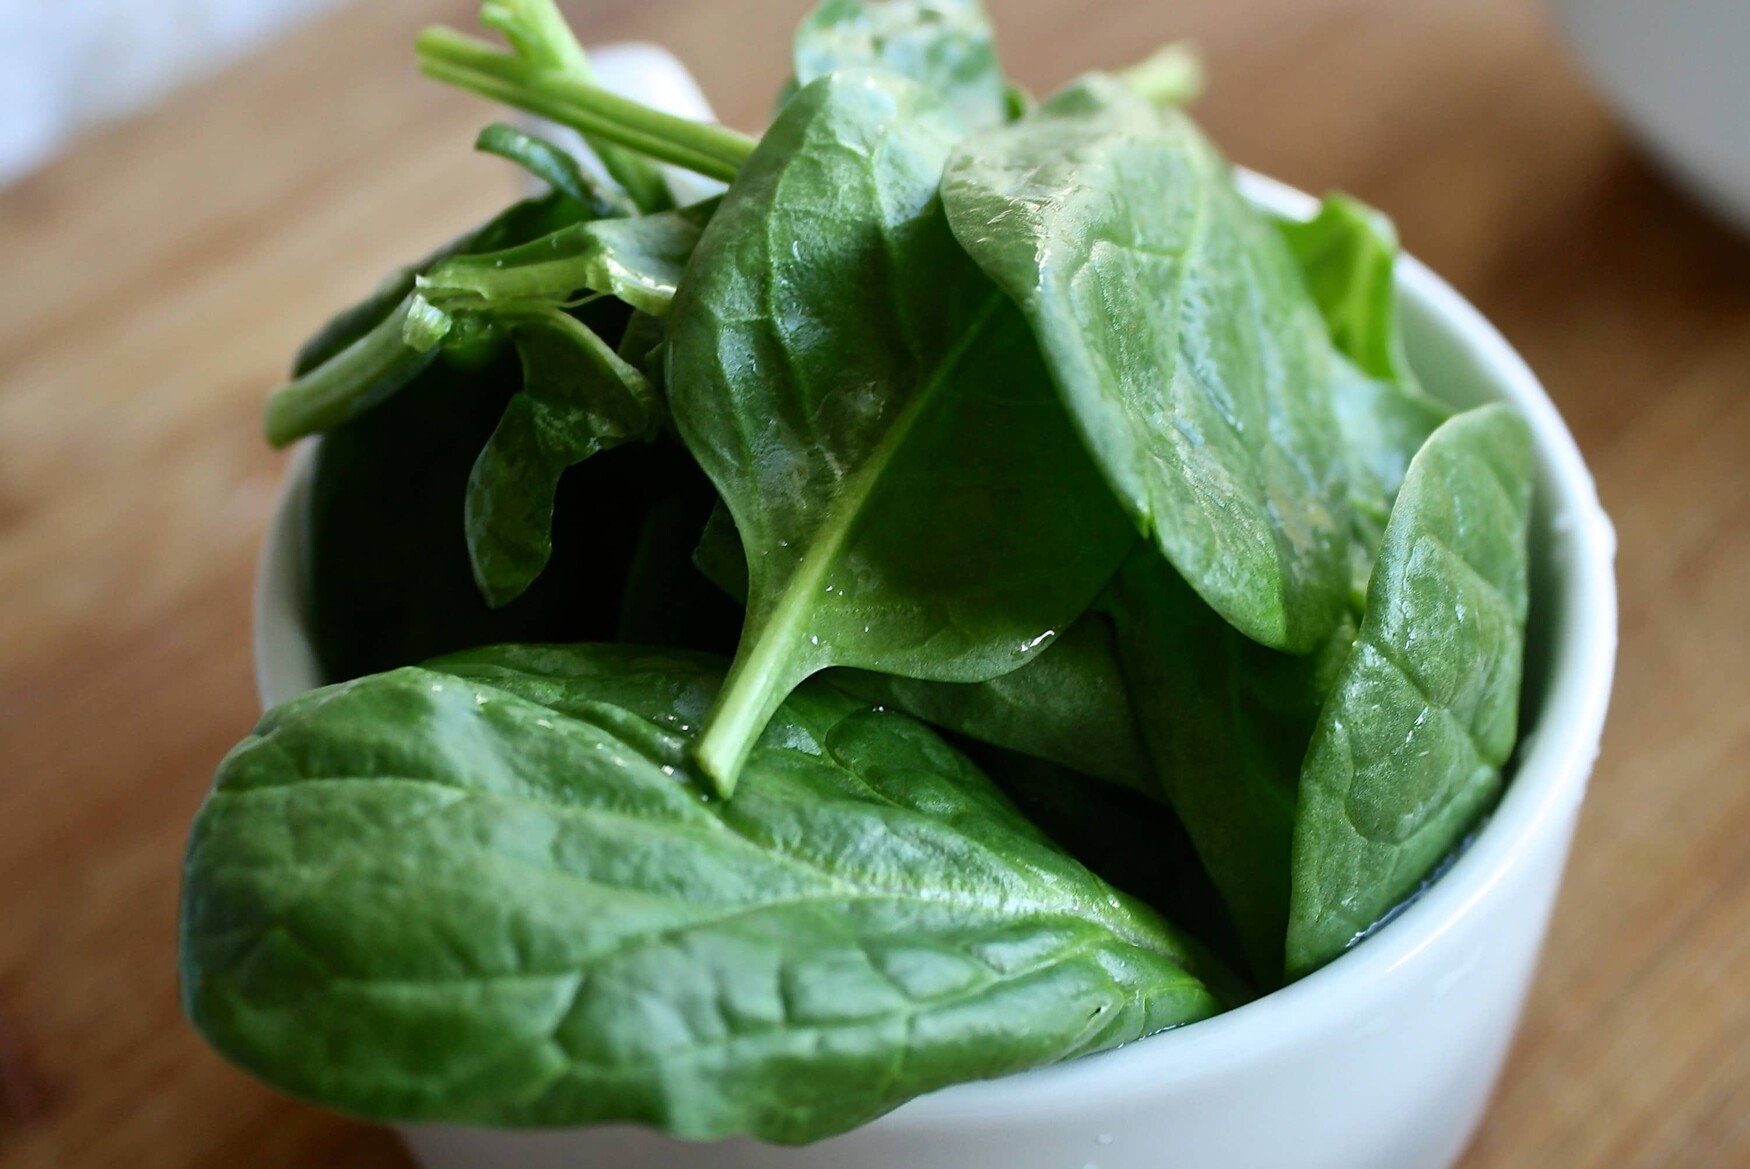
(157,279)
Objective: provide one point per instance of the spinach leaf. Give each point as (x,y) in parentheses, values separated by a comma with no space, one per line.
(945,45)
(489,892)
(638,259)
(1181,340)
(1347,253)
(1384,424)
(1408,749)
(578,398)
(553,166)
(1170,76)
(875,417)
(1226,722)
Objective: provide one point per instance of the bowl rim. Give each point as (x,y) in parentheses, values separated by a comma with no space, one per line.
(1555,756)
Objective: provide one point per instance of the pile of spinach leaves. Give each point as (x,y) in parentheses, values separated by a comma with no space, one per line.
(976,593)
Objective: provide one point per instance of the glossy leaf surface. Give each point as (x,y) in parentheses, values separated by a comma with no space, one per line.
(1409,747)
(1182,340)
(487,892)
(875,417)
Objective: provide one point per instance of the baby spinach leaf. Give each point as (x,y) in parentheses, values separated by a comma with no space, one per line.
(1226,722)
(875,417)
(638,259)
(578,398)
(488,892)
(945,45)
(1347,253)
(1181,340)
(553,166)
(1170,76)
(1384,424)
(1409,747)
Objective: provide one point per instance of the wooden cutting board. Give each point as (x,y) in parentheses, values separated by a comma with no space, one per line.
(157,279)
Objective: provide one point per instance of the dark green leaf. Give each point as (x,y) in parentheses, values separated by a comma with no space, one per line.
(875,417)
(1125,838)
(1226,722)
(553,166)
(1182,340)
(668,601)
(945,45)
(578,398)
(1409,747)
(1068,705)
(488,892)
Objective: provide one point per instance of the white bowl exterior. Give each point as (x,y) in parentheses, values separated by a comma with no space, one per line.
(1382,1060)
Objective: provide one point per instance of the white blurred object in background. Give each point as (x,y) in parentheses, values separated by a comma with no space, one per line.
(65,64)
(1678,71)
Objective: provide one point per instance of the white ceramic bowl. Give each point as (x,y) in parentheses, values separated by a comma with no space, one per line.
(1382,1060)
(1676,71)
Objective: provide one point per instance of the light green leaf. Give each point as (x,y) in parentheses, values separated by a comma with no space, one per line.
(945,45)
(1348,252)
(638,259)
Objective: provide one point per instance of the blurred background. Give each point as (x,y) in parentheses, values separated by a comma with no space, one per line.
(188,188)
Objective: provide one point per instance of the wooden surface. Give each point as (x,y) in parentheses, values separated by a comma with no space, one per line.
(156,281)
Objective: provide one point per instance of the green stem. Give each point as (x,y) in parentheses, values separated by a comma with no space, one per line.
(347,384)
(538,32)
(715,151)
(1172,76)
